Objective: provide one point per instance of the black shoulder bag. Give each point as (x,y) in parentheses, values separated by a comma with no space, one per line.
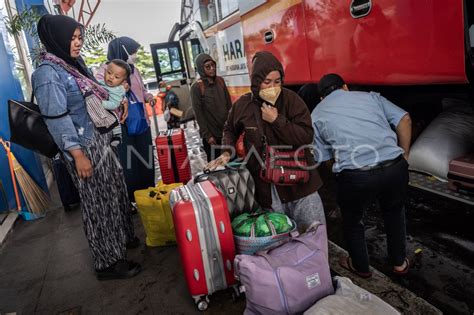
(28,129)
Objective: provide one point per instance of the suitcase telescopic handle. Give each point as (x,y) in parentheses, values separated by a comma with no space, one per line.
(231,166)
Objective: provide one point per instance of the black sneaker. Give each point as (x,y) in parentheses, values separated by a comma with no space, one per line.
(122,269)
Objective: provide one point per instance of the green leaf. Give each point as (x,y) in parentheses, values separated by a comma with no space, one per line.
(145,64)
(24,21)
(96,35)
(95,57)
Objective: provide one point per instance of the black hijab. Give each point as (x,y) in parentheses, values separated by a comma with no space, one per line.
(116,51)
(55,33)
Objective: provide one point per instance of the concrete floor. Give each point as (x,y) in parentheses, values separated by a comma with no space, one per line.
(46,268)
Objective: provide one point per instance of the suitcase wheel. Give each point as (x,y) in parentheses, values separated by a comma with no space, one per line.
(202,304)
(235,293)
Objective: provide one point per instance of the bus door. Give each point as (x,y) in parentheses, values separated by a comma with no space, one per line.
(171,66)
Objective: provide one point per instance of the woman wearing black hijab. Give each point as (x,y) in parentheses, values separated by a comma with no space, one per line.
(138,163)
(64,87)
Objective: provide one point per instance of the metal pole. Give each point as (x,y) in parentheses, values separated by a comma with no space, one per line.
(155,119)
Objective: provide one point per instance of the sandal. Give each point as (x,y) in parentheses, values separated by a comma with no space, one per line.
(120,270)
(345,262)
(133,208)
(404,271)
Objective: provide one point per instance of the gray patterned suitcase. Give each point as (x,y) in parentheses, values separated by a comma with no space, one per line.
(237,185)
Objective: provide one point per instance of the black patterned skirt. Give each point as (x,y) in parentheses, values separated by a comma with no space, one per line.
(104,201)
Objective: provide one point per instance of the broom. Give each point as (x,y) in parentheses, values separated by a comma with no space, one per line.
(36,199)
(6,145)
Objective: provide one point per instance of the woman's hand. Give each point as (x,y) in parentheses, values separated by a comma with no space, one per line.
(269,113)
(211,141)
(124,104)
(126,86)
(83,164)
(151,100)
(222,160)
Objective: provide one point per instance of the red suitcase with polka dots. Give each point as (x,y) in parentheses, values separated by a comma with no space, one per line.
(205,239)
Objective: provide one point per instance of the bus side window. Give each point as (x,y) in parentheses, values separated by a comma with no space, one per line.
(207,12)
(212,12)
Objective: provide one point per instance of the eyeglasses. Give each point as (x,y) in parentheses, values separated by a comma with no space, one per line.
(210,66)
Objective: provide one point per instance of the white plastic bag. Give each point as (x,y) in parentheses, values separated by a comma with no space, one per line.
(449,136)
(350,299)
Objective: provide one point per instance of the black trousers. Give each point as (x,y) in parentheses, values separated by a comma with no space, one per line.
(212,152)
(355,189)
(136,156)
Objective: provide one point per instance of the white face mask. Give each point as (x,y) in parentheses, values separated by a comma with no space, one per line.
(270,94)
(131,58)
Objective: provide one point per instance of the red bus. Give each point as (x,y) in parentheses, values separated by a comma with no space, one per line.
(416,53)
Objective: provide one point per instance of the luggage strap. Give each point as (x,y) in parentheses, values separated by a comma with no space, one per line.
(174,162)
(272,262)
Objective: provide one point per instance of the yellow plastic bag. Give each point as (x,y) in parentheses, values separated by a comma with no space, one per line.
(155,212)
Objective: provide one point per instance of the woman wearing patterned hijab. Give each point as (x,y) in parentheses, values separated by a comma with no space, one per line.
(64,87)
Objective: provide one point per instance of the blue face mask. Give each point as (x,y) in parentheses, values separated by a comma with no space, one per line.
(163,89)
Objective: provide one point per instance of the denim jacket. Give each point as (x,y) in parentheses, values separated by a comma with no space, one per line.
(56,92)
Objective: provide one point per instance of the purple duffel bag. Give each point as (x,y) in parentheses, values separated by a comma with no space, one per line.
(288,279)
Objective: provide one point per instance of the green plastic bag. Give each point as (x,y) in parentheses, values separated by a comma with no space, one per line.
(261,223)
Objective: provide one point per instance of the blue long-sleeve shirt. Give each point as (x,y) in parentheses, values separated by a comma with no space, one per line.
(57,92)
(356,129)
